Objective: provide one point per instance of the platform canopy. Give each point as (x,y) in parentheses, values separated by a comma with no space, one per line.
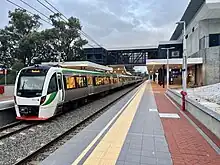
(86,65)
(154,64)
(120,69)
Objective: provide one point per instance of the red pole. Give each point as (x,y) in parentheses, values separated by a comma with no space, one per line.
(183,100)
(183,103)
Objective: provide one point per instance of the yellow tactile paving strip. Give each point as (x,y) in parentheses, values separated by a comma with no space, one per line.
(108,150)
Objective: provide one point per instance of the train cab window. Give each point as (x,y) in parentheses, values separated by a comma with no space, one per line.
(53,87)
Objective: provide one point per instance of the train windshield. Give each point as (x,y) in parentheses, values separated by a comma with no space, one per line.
(30,86)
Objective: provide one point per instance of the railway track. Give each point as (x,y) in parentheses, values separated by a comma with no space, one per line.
(29,159)
(10,125)
(14,128)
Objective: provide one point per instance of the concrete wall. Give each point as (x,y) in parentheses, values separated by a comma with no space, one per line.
(211,65)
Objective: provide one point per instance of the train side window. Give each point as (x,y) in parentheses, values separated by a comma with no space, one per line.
(115,80)
(106,80)
(99,81)
(85,81)
(81,82)
(94,81)
(53,87)
(111,80)
(70,82)
(89,80)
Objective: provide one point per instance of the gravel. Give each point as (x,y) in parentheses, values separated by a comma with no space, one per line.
(20,145)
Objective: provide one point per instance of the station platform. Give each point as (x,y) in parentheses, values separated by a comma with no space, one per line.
(6,102)
(6,98)
(143,128)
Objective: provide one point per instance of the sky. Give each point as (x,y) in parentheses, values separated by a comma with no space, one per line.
(115,23)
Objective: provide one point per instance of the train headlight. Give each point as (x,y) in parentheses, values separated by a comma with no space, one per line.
(42,100)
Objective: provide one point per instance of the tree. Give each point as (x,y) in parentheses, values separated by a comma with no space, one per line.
(65,37)
(23,23)
(22,34)
(30,47)
(22,40)
(6,49)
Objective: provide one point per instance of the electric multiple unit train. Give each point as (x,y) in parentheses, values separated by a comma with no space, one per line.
(41,91)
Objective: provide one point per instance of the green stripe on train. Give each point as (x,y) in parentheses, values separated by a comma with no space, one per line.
(51,98)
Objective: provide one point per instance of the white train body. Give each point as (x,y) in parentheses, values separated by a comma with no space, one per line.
(41,91)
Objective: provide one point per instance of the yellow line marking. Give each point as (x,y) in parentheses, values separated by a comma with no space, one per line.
(104,129)
(111,144)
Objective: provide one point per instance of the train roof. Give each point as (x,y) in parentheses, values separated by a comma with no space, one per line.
(47,67)
(71,71)
(78,64)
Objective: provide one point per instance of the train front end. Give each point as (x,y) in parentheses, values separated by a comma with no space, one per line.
(28,93)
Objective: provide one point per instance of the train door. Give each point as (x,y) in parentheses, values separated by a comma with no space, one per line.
(61,87)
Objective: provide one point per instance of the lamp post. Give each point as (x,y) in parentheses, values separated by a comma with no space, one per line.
(168,75)
(184,67)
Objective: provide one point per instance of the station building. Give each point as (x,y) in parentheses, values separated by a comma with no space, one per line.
(202,19)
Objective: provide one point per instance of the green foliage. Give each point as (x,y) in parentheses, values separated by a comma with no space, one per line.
(64,37)
(22,40)
(22,23)
(17,66)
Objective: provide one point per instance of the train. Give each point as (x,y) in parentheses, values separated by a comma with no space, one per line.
(41,91)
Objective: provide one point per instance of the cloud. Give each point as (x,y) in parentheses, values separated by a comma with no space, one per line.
(119,23)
